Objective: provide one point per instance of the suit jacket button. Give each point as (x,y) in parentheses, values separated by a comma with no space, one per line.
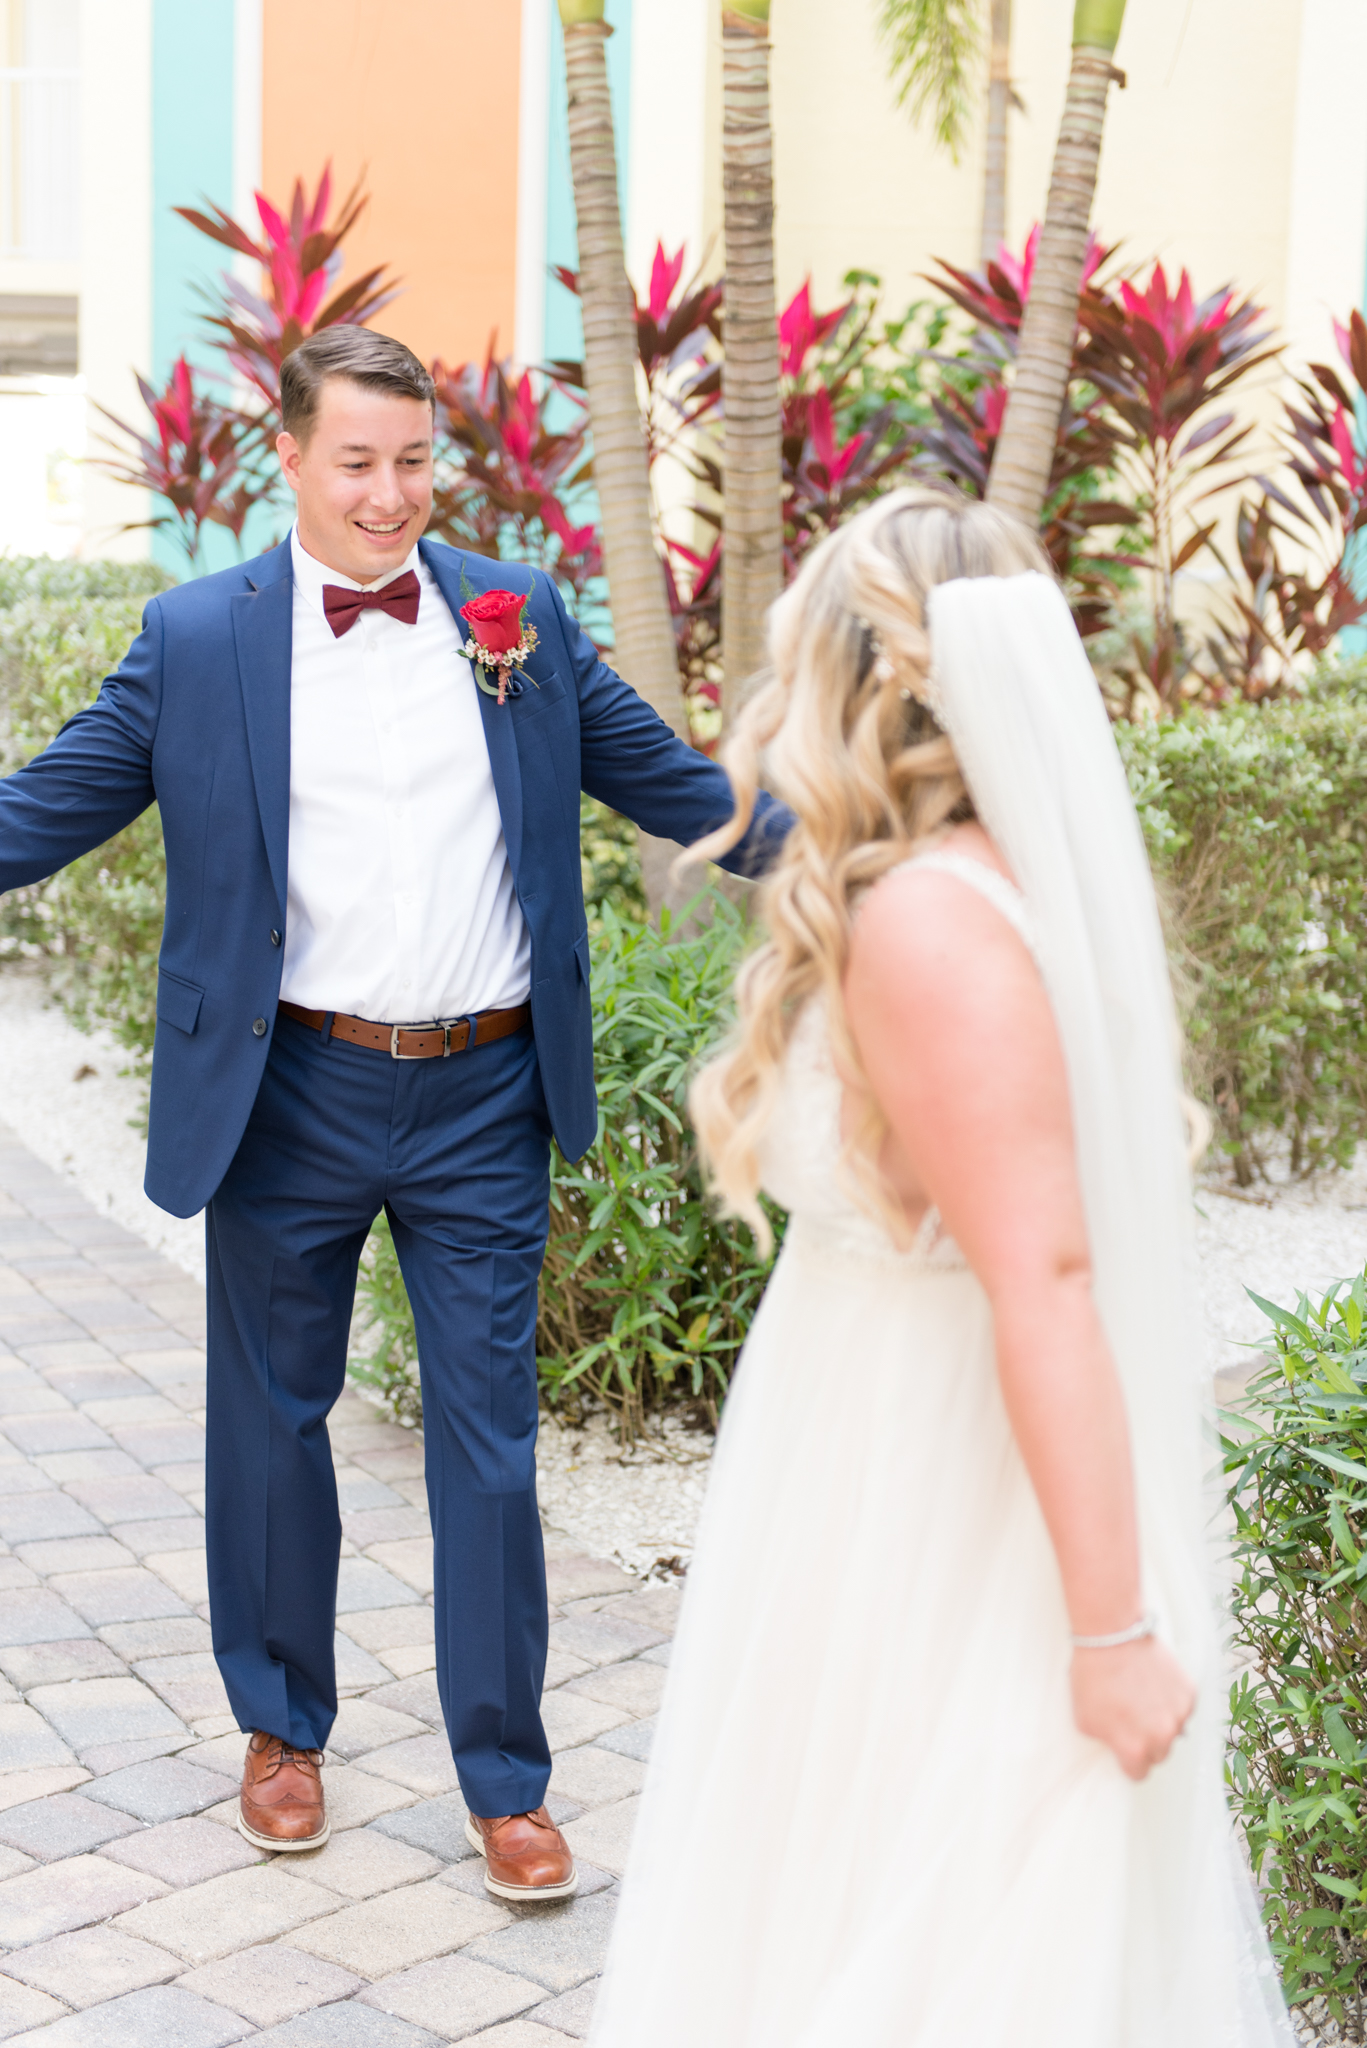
(259,1027)
(275,938)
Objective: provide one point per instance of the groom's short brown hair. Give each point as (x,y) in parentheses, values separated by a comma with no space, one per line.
(375,361)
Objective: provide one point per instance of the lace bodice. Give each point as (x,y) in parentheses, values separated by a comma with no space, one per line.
(800,1159)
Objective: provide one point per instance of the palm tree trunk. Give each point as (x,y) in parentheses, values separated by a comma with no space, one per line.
(998,114)
(752,560)
(642,629)
(1024,457)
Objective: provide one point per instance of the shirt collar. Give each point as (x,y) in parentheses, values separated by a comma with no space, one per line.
(310,574)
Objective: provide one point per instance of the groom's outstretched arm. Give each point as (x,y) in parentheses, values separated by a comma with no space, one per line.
(93,778)
(630,760)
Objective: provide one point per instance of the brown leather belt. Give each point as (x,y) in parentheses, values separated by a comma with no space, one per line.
(409,1042)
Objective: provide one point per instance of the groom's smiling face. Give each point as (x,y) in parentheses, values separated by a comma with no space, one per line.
(363,478)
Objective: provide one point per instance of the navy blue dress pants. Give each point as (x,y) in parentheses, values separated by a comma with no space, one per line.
(457,1152)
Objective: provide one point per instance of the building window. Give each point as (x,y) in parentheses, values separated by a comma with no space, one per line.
(39,135)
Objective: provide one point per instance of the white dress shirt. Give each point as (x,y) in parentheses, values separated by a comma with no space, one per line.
(401,901)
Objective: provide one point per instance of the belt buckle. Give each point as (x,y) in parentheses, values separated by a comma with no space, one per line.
(394,1052)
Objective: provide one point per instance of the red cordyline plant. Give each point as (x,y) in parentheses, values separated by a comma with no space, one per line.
(508,480)
(193,463)
(300,259)
(1165,363)
(970,405)
(1143,440)
(212,460)
(1290,611)
(829,471)
(676,330)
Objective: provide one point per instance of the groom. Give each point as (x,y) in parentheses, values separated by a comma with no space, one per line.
(373,993)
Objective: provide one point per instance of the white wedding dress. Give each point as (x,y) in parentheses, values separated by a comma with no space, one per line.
(869,1821)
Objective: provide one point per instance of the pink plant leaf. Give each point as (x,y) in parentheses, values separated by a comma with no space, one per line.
(994,401)
(319,212)
(311,297)
(277,228)
(665,273)
(1353,466)
(821,429)
(847,456)
(794,330)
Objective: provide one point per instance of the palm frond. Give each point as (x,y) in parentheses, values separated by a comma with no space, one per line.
(934,46)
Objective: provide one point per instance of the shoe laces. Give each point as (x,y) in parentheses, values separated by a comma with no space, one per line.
(277,1752)
(533,1815)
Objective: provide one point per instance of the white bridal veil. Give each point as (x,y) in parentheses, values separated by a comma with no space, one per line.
(1013,688)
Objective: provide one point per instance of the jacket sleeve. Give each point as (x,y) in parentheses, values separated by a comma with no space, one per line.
(632,761)
(94,778)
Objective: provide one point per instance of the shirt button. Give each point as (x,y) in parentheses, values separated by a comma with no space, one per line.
(259,1027)
(275,938)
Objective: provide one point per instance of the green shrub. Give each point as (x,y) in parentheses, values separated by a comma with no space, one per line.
(610,863)
(1296,1460)
(99,921)
(47,579)
(1256,821)
(646,1296)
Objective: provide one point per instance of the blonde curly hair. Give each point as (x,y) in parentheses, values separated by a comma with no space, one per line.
(846,735)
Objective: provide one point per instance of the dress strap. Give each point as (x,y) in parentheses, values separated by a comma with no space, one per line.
(1004,896)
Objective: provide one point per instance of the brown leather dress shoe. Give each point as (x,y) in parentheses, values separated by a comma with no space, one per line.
(281,1806)
(526,1855)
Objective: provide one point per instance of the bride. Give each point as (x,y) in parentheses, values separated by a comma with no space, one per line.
(939,1760)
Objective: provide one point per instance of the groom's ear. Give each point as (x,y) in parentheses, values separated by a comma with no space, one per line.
(289,452)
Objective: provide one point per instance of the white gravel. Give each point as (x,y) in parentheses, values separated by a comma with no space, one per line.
(1281,1239)
(89,1128)
(639,1506)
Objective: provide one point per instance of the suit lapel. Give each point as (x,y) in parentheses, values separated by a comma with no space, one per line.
(263,634)
(500,735)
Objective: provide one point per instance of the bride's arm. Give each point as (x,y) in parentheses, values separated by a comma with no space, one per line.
(958,1042)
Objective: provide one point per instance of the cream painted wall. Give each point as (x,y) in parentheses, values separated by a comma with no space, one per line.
(666,177)
(116,245)
(1209,154)
(1327,230)
(856,185)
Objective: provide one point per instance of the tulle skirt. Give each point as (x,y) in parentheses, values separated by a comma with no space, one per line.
(869,1819)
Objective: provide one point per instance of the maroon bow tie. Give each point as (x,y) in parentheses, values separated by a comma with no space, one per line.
(399,598)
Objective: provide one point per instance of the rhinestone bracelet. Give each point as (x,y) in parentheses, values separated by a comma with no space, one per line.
(1145,1626)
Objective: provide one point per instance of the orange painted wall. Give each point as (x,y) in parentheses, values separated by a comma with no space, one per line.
(421,95)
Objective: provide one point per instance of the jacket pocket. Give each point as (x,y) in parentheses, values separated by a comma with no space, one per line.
(178,1001)
(542,695)
(581,954)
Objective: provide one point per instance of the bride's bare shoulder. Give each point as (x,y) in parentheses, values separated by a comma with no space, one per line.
(923,931)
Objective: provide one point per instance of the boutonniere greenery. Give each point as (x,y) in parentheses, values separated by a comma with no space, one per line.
(501,638)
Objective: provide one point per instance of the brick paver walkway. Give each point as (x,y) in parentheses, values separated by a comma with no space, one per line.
(132,1914)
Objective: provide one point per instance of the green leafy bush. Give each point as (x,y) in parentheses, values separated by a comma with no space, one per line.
(63,627)
(1256,821)
(1296,1461)
(48,579)
(646,1296)
(610,863)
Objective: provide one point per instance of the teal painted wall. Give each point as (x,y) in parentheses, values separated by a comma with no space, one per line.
(564,331)
(192,160)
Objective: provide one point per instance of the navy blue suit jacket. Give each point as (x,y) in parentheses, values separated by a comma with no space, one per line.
(197,720)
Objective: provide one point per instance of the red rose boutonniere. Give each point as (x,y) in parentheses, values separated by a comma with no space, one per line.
(500,640)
